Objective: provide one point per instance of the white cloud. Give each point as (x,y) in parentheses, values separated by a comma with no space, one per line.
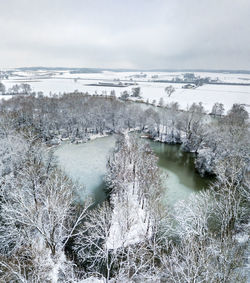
(117,33)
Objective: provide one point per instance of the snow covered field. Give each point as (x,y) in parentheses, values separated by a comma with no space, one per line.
(60,82)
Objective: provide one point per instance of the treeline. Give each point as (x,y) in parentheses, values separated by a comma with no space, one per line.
(17,89)
(73,116)
(76,116)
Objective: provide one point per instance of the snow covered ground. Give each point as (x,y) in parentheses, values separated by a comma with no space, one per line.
(207,94)
(130,223)
(60,82)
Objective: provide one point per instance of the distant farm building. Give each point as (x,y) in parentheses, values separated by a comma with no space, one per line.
(189,86)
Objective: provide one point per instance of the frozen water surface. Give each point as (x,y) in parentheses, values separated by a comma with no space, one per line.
(86,163)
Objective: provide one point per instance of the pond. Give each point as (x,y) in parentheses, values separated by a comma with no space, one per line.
(182,177)
(86,163)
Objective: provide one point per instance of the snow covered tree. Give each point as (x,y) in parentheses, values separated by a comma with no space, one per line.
(152,121)
(2,88)
(231,194)
(201,253)
(25,89)
(225,137)
(14,89)
(136,92)
(237,115)
(37,220)
(161,102)
(135,186)
(193,126)
(91,242)
(113,94)
(124,95)
(218,109)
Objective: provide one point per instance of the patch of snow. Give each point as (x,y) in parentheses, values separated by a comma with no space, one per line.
(92,280)
(242,238)
(96,136)
(130,223)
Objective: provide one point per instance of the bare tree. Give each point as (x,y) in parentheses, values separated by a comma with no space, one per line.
(2,88)
(169,90)
(91,243)
(37,220)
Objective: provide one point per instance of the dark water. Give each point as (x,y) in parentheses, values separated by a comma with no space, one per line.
(86,163)
(183,178)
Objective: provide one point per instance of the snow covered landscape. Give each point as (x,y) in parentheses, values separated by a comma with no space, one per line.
(125,141)
(58,82)
(119,203)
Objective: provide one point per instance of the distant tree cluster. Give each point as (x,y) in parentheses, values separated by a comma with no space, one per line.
(21,89)
(136,92)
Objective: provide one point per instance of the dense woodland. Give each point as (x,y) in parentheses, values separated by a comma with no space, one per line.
(47,236)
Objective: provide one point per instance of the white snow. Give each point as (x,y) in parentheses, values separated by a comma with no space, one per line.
(242,238)
(129,221)
(60,82)
(91,280)
(97,136)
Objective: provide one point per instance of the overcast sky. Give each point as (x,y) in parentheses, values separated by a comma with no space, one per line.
(208,34)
